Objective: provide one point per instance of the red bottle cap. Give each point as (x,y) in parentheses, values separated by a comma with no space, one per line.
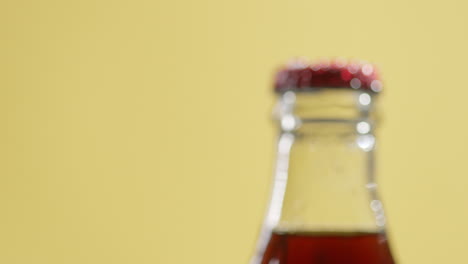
(301,76)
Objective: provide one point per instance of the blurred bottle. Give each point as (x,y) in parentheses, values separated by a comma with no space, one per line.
(324,206)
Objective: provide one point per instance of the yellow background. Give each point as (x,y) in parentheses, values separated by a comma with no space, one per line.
(139,132)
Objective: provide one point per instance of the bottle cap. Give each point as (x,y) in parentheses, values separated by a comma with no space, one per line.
(299,75)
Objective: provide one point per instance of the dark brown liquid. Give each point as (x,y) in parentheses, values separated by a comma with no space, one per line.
(328,248)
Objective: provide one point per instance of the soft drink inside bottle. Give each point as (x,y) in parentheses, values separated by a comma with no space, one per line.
(327,248)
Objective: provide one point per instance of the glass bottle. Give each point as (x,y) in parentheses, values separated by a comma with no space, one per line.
(324,206)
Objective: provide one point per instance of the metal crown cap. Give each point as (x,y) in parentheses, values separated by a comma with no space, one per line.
(299,75)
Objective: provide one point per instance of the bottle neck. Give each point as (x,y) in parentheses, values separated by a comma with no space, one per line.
(324,178)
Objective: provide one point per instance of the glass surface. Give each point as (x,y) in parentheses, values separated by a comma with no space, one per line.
(324,206)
